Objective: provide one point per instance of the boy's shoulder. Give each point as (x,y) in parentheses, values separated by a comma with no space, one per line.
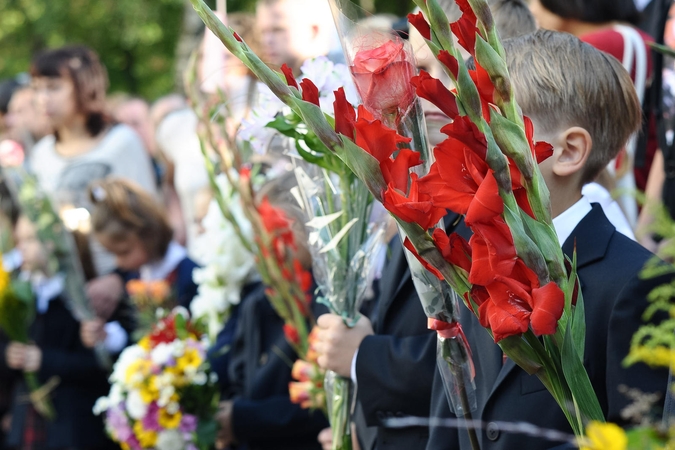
(598,243)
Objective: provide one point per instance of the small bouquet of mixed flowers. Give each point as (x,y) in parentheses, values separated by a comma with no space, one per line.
(163,394)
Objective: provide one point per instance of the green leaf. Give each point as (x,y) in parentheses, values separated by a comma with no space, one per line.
(578,381)
(578,326)
(207,431)
(363,165)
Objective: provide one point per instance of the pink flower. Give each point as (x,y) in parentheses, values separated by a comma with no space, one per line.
(11,153)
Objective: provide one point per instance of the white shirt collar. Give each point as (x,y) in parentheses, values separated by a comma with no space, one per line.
(160,270)
(566,222)
(46,290)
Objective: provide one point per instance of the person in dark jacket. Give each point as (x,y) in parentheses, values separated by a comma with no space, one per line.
(60,360)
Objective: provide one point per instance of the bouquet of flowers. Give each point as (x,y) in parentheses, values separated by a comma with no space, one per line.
(512,274)
(163,395)
(17,311)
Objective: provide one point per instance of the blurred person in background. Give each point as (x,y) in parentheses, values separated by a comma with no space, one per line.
(84,146)
(293,31)
(25,123)
(7,88)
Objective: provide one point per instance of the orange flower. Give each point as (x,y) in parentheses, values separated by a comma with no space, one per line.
(300,393)
(304,371)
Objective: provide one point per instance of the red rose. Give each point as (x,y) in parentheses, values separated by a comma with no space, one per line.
(382,76)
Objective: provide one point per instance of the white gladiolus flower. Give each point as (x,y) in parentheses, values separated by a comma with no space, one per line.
(135,405)
(170,440)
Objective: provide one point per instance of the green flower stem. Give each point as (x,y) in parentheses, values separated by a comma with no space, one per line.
(340,413)
(43,405)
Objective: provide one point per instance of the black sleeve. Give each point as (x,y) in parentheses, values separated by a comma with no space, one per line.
(394,376)
(441,436)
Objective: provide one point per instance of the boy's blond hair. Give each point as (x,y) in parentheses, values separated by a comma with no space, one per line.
(561,82)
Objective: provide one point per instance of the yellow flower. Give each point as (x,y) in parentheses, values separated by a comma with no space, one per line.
(190,358)
(658,356)
(149,391)
(4,278)
(147,438)
(604,436)
(137,372)
(169,421)
(144,343)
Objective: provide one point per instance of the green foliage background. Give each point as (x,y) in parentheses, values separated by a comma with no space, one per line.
(136,39)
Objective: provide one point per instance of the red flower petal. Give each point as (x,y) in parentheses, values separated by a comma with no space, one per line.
(454,249)
(540,150)
(310,93)
(465,131)
(288,73)
(548,303)
(407,244)
(414,208)
(487,204)
(396,172)
(420,23)
(449,61)
(376,139)
(345,116)
(465,28)
(431,89)
(492,252)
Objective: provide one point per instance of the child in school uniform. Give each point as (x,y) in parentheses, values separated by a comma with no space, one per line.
(56,354)
(582,101)
(130,224)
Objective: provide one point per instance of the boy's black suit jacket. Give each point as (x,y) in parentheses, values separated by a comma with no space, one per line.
(608,265)
(82,382)
(395,366)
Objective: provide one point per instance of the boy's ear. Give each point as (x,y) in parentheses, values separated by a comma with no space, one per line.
(575,147)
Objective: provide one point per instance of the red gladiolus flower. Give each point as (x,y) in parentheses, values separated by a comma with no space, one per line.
(375,138)
(310,93)
(454,249)
(291,334)
(486,204)
(409,245)
(290,79)
(416,207)
(459,170)
(382,77)
(431,89)
(540,150)
(237,37)
(486,89)
(449,61)
(420,23)
(465,131)
(492,252)
(547,306)
(465,28)
(345,116)
(396,172)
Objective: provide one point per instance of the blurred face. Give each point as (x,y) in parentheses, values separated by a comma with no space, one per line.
(32,251)
(136,114)
(56,98)
(284,37)
(130,252)
(23,116)
(545,18)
